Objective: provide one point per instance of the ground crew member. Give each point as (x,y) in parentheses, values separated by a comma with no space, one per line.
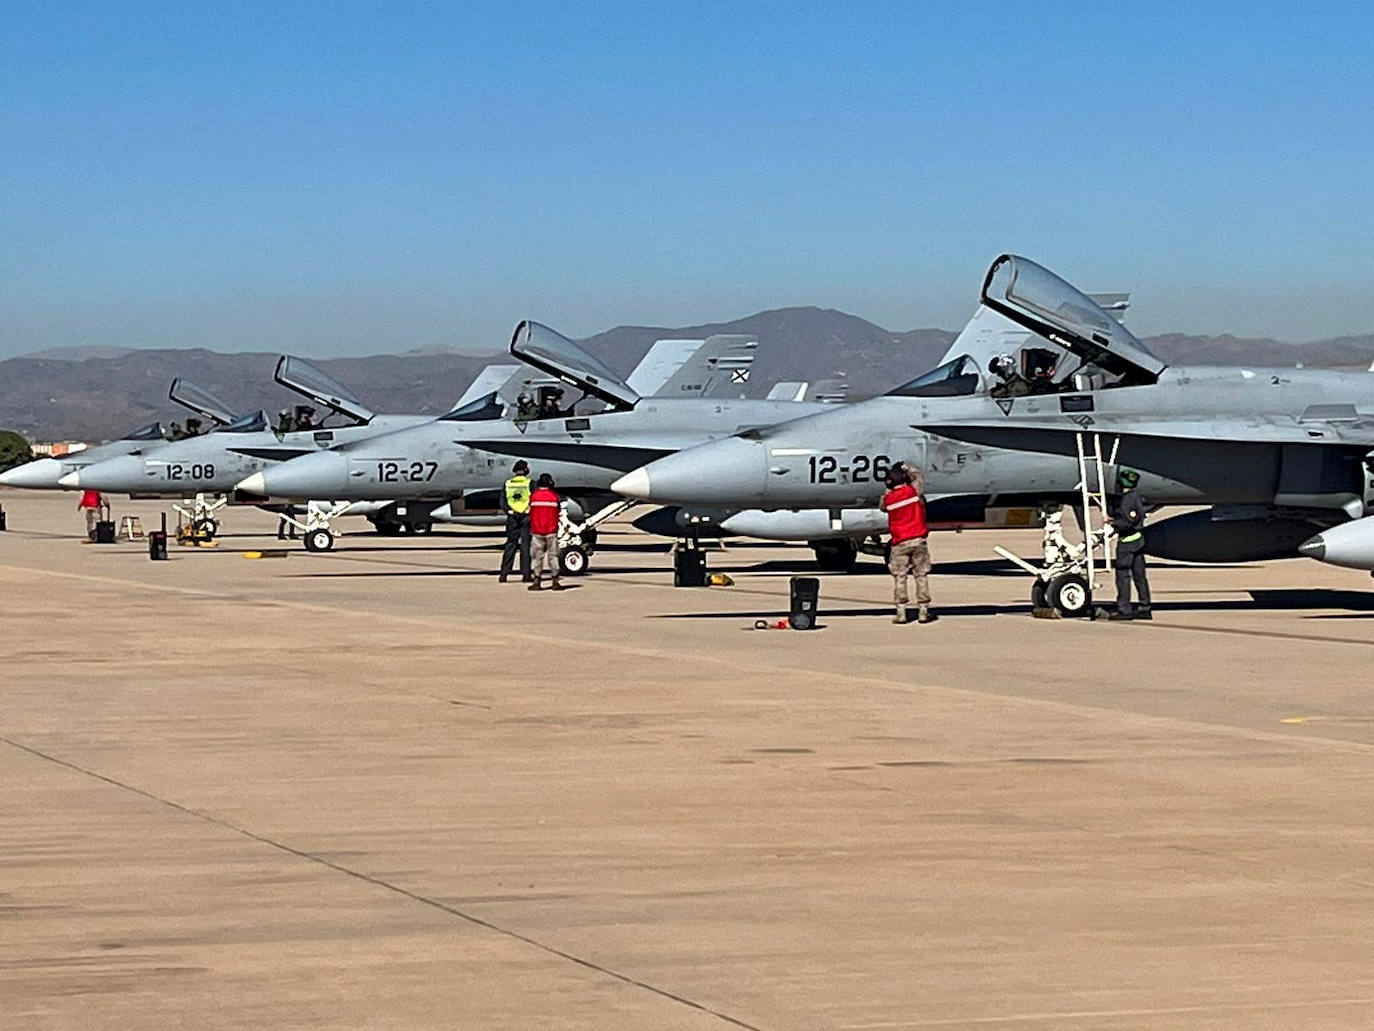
(286,522)
(1128,520)
(515,502)
(905,506)
(91,503)
(545,509)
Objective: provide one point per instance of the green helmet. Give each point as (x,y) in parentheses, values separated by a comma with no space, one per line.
(1128,478)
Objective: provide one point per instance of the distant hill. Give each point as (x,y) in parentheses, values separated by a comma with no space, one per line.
(88,396)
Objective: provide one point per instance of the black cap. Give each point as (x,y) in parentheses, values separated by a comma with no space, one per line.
(545,480)
(520,467)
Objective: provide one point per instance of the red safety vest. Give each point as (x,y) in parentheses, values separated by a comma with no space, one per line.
(90,499)
(543,512)
(906,513)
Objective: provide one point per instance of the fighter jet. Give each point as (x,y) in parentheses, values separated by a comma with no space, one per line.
(470,450)
(988,341)
(45,473)
(1278,454)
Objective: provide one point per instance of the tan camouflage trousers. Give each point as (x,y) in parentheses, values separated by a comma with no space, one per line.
(910,558)
(544,554)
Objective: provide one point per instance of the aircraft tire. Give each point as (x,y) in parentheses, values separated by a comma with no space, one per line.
(1069,595)
(1039,589)
(318,540)
(573,561)
(421,528)
(839,556)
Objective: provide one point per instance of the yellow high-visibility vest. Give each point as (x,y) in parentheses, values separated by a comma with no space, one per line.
(518,494)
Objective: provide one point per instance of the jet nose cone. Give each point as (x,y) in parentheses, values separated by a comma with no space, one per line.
(320,477)
(117,474)
(1313,547)
(634,484)
(725,472)
(38,474)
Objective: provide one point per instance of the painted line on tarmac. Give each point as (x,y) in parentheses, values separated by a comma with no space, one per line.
(379,882)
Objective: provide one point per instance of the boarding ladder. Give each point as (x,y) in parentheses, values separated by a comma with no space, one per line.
(1065,582)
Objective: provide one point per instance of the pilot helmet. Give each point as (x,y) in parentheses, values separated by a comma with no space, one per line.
(1002,365)
(1128,478)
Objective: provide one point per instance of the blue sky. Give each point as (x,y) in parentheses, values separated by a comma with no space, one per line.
(336,178)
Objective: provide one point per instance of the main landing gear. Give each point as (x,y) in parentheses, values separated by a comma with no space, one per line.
(1063,586)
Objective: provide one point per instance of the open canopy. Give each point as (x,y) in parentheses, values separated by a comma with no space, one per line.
(1033,296)
(551,352)
(299,375)
(201,401)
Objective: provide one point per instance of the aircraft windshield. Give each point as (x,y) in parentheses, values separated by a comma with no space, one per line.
(153,431)
(557,355)
(1036,298)
(316,384)
(250,423)
(200,401)
(486,407)
(958,377)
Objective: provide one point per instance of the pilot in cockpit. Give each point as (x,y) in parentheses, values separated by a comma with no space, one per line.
(1009,381)
(193,427)
(305,417)
(552,404)
(1042,380)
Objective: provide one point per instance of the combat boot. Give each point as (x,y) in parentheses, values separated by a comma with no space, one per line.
(900,617)
(923,615)
(556,585)
(538,584)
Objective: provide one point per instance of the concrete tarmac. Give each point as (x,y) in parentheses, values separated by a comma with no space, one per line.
(376,789)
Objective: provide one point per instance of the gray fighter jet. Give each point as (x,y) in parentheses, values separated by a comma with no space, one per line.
(467,454)
(45,473)
(1278,454)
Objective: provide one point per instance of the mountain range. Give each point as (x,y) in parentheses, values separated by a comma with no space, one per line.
(96,394)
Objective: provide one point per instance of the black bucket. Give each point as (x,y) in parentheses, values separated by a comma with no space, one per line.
(805,595)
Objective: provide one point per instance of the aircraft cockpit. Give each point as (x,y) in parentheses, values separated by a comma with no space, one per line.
(153,431)
(1101,352)
(252,422)
(957,377)
(551,352)
(321,388)
(482,409)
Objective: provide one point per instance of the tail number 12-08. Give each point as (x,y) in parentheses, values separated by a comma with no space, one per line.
(863,469)
(406,472)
